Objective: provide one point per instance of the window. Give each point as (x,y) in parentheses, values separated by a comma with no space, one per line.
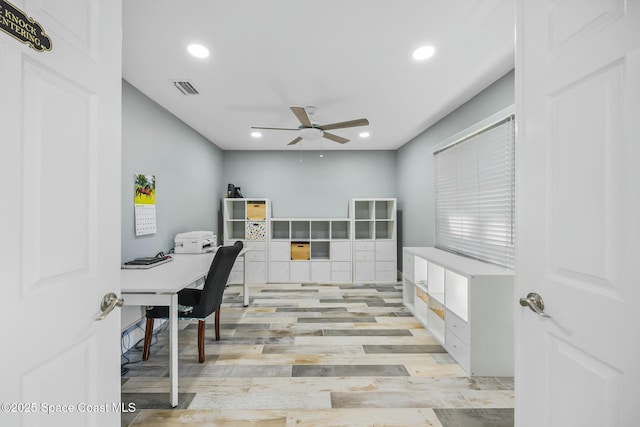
(475,194)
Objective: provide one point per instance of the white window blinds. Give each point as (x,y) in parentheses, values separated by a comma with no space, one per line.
(475,194)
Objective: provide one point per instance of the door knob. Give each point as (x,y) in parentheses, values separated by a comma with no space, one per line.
(535,303)
(109,302)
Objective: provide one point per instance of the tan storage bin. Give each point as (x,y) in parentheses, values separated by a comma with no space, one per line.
(256,210)
(300,251)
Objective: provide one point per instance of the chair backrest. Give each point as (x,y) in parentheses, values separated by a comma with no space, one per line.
(216,280)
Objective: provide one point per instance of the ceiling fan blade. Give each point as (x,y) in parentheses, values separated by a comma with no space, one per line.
(302,116)
(258,127)
(347,124)
(295,141)
(335,138)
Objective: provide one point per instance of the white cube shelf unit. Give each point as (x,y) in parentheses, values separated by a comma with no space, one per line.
(329,248)
(248,220)
(375,242)
(467,305)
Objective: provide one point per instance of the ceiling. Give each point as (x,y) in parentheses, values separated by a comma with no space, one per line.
(349,58)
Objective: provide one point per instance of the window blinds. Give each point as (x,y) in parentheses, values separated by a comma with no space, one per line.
(475,194)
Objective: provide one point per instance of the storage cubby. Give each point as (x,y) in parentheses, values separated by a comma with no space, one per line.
(280,230)
(320,250)
(435,277)
(467,305)
(300,230)
(385,229)
(237,209)
(340,230)
(236,230)
(363,209)
(421,271)
(457,292)
(385,209)
(364,229)
(320,230)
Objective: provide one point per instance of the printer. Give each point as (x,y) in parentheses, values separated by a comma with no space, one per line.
(195,242)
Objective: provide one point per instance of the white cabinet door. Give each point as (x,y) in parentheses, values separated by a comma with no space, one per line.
(299,271)
(340,251)
(365,271)
(386,251)
(256,271)
(320,271)
(279,271)
(386,276)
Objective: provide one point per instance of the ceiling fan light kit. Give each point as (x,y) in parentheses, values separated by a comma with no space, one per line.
(311,131)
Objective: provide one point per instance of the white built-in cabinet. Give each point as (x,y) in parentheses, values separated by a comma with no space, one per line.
(375,243)
(359,248)
(467,305)
(329,246)
(248,220)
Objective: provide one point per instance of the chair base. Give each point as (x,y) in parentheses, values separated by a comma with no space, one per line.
(148,334)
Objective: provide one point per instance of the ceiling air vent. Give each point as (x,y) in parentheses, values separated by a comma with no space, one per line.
(185,87)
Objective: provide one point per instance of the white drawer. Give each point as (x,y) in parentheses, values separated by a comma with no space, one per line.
(386,276)
(457,326)
(385,266)
(365,246)
(341,276)
(365,255)
(255,246)
(457,349)
(340,266)
(253,256)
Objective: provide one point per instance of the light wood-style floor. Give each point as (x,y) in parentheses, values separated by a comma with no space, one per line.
(314,355)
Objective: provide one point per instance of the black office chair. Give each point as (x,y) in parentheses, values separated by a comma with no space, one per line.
(199,303)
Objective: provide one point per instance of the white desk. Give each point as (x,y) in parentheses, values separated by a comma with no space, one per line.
(159,285)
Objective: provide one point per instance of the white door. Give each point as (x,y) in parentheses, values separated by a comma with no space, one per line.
(60,223)
(578,201)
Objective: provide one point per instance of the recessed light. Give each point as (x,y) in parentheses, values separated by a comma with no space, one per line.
(198,50)
(423,53)
(364,134)
(256,134)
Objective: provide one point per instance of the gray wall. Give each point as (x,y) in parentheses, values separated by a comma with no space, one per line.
(415,177)
(188,171)
(315,187)
(187,167)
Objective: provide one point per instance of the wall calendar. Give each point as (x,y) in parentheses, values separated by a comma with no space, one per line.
(144,201)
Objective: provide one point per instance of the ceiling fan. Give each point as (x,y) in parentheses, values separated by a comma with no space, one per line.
(310,130)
